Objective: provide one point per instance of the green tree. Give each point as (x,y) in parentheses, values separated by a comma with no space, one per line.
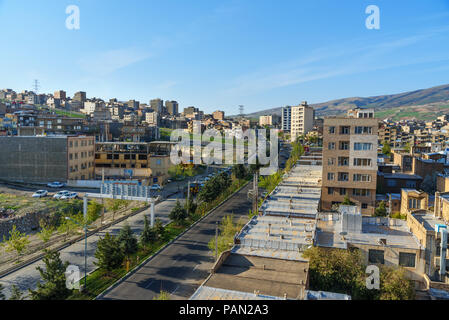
(407,147)
(228,229)
(381,211)
(2,296)
(178,214)
(239,171)
(69,227)
(386,149)
(54,286)
(46,231)
(191,207)
(347,201)
(115,205)
(163,295)
(148,235)
(127,241)
(108,254)
(16,294)
(17,241)
(159,229)
(93,211)
(395,285)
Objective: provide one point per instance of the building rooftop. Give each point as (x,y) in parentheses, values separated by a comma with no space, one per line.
(429,221)
(209,293)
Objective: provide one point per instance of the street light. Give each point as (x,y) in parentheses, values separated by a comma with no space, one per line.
(85,238)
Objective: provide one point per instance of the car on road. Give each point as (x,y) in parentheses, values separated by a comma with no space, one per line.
(40,194)
(169,181)
(60,194)
(70,195)
(55,185)
(156,187)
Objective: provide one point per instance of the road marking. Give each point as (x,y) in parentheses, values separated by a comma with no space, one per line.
(196,267)
(176,289)
(146,287)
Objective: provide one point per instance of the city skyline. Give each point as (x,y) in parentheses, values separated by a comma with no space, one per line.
(219,55)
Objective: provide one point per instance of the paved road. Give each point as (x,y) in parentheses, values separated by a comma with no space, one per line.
(28,276)
(181,267)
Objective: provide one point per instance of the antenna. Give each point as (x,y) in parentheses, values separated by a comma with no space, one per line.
(36,86)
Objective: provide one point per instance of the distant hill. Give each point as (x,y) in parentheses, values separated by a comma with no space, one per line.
(427,101)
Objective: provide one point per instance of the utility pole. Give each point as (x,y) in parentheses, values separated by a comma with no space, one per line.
(85,241)
(256,193)
(216,241)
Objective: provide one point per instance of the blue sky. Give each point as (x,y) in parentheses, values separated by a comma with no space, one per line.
(220,54)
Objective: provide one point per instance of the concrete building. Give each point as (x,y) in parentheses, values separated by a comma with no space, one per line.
(60,94)
(133,104)
(302,118)
(218,115)
(80,96)
(286,118)
(269,120)
(157,105)
(152,118)
(350,161)
(172,108)
(47,158)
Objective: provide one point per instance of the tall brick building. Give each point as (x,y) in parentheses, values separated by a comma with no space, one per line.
(350,160)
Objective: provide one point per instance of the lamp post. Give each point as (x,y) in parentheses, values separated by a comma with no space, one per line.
(85,238)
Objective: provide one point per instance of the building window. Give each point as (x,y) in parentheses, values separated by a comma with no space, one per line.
(331,146)
(109,156)
(407,259)
(344,145)
(330,191)
(330,176)
(359,146)
(343,176)
(345,130)
(364,206)
(361,192)
(362,177)
(391,183)
(331,130)
(362,162)
(343,191)
(414,204)
(363,130)
(330,161)
(376,256)
(343,161)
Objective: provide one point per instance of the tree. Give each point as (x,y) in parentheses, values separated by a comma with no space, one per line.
(115,205)
(228,229)
(163,295)
(17,241)
(93,211)
(68,227)
(159,229)
(178,214)
(54,287)
(46,231)
(108,254)
(16,294)
(381,211)
(191,207)
(407,147)
(395,285)
(127,241)
(239,171)
(386,149)
(148,235)
(347,201)
(2,296)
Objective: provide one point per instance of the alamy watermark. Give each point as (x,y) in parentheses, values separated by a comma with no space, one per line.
(373,20)
(214,147)
(373,280)
(72,276)
(73,20)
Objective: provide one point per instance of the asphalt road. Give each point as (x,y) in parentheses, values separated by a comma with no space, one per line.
(182,266)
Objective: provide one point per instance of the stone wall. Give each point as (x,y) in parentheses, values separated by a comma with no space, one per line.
(24,224)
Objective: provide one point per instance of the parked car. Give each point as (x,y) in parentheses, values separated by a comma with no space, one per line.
(55,185)
(60,194)
(156,187)
(40,194)
(70,195)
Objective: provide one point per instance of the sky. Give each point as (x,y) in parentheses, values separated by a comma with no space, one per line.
(221,54)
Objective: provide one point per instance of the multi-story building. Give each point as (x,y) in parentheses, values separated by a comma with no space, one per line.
(350,160)
(302,118)
(47,158)
(269,120)
(286,118)
(218,115)
(60,94)
(80,96)
(152,118)
(133,104)
(157,105)
(172,108)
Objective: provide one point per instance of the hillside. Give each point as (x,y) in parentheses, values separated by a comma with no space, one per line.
(426,102)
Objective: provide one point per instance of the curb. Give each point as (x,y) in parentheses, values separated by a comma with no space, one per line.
(132,271)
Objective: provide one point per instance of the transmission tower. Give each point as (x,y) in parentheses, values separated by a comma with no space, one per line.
(241,110)
(36,86)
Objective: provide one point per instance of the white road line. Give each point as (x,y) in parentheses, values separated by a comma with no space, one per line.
(176,289)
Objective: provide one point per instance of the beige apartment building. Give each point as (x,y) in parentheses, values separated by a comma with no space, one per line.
(269,120)
(302,117)
(350,160)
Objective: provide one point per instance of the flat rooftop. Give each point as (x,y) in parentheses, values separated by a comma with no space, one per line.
(209,293)
(395,232)
(428,220)
(266,276)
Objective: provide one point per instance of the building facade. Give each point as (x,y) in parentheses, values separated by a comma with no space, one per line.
(350,162)
(286,118)
(302,118)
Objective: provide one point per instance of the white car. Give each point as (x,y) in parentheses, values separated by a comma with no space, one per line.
(60,194)
(70,195)
(55,185)
(155,187)
(40,194)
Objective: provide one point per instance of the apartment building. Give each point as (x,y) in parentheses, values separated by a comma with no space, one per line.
(286,119)
(61,95)
(172,107)
(80,96)
(350,160)
(218,115)
(269,120)
(157,105)
(47,158)
(302,118)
